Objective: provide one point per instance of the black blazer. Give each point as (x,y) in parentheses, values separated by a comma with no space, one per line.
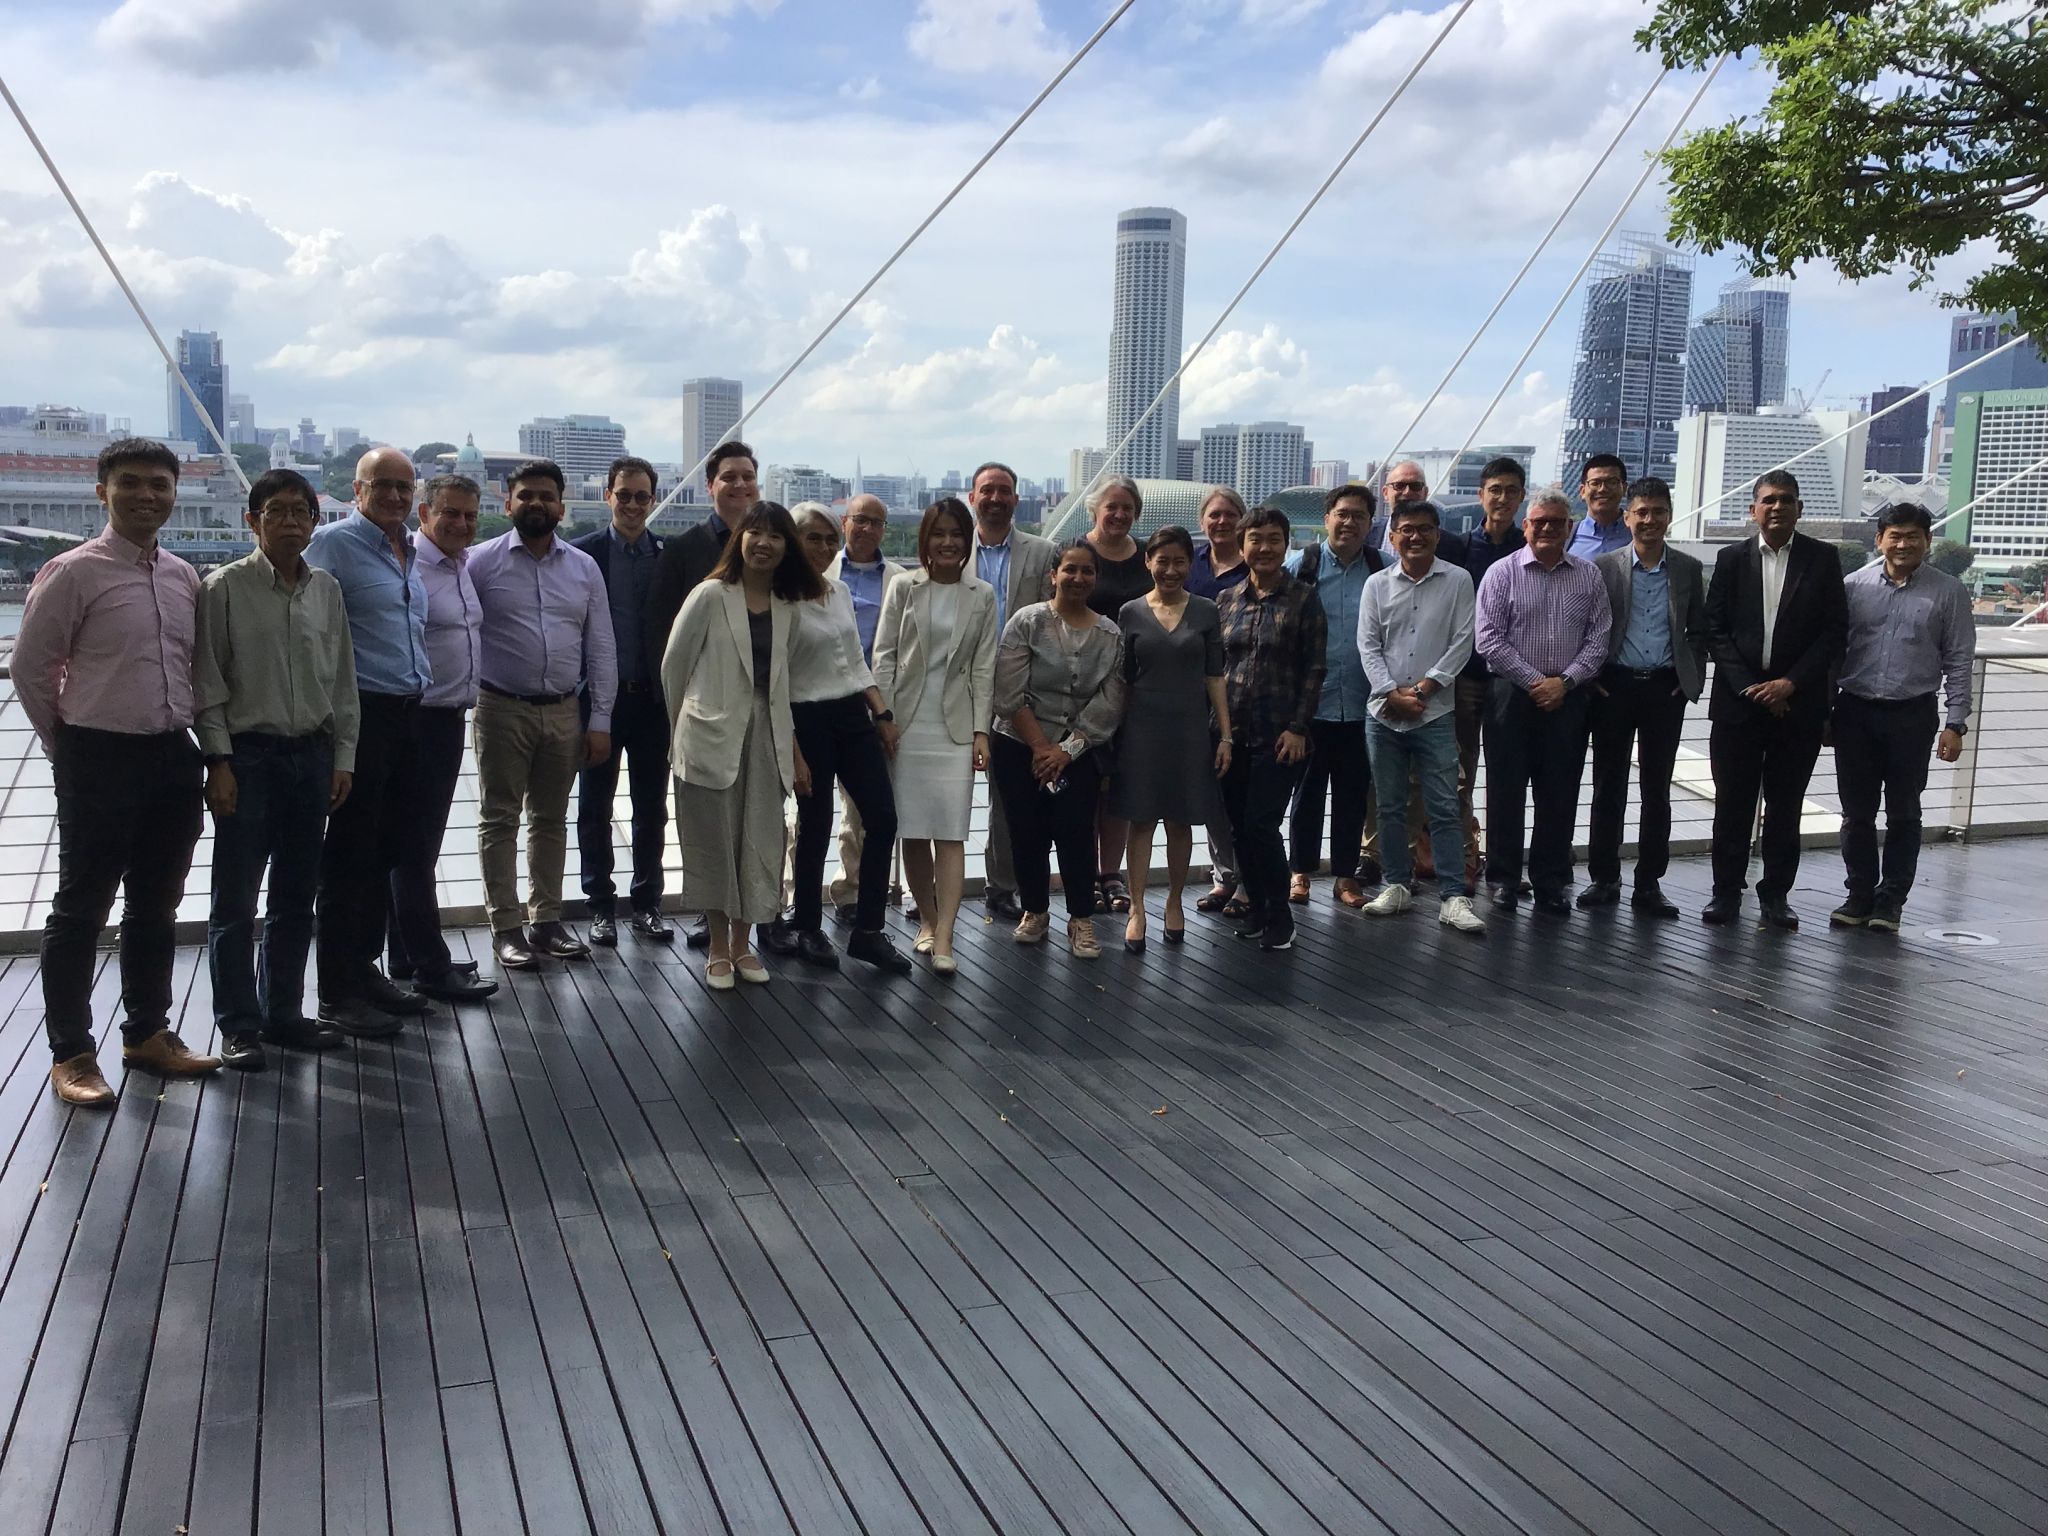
(685,560)
(1811,633)
(598,546)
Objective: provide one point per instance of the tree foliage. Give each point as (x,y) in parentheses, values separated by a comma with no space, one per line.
(1951,556)
(1854,556)
(427,452)
(253,458)
(1897,132)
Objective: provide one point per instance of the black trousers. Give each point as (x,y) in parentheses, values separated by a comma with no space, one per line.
(1755,753)
(365,838)
(838,741)
(1882,747)
(1041,820)
(1642,712)
(1337,765)
(1537,754)
(129,810)
(640,736)
(413,926)
(1255,795)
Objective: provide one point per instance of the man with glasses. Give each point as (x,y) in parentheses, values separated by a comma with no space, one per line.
(274,681)
(1403,485)
(867,577)
(1543,624)
(371,555)
(626,554)
(1602,531)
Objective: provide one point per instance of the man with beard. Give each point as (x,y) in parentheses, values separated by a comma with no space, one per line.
(547,635)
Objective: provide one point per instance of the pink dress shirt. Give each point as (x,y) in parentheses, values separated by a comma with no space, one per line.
(106,641)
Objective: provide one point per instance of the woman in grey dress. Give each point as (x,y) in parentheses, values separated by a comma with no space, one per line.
(1173,662)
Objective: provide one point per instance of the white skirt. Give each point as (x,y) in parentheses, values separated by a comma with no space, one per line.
(933,773)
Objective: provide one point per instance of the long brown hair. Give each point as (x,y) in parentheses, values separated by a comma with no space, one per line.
(794,581)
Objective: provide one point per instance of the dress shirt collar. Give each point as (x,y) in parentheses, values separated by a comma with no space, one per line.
(634,547)
(1330,553)
(1885,576)
(126,549)
(515,545)
(1527,556)
(277,581)
(1435,565)
(434,554)
(981,543)
(360,525)
(860,565)
(1636,556)
(1763,547)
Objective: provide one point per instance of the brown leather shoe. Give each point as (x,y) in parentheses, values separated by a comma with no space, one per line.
(166,1055)
(1349,894)
(1297,890)
(78,1080)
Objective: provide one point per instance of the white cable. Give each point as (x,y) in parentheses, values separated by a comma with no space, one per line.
(1081,495)
(1563,213)
(1699,515)
(134,303)
(909,240)
(1572,287)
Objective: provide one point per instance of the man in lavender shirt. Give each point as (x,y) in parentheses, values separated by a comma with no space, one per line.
(1543,627)
(547,632)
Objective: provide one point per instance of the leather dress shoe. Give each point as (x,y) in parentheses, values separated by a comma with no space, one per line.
(242,1052)
(650,926)
(410,972)
(1004,904)
(876,950)
(813,948)
(1777,914)
(1552,904)
(78,1080)
(554,938)
(300,1035)
(844,913)
(357,1019)
(778,937)
(1601,893)
(1506,897)
(513,951)
(379,992)
(456,987)
(1649,899)
(604,930)
(699,936)
(1721,909)
(166,1055)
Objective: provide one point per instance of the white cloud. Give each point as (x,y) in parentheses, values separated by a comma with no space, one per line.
(867,88)
(1244,375)
(1278,13)
(984,36)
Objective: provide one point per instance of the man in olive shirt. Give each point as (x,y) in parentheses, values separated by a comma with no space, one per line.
(274,682)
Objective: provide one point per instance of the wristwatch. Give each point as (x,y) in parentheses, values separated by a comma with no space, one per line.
(884,717)
(1960,730)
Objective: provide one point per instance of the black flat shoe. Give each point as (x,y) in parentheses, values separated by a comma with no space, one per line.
(1649,899)
(555,939)
(242,1052)
(1601,893)
(605,931)
(777,938)
(302,1035)
(1552,904)
(359,1020)
(650,927)
(381,993)
(1721,909)
(876,950)
(1004,904)
(813,948)
(1777,914)
(699,936)
(456,987)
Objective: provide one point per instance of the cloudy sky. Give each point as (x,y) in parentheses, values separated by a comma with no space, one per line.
(426,219)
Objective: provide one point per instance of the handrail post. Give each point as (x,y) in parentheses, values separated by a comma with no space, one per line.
(1962,803)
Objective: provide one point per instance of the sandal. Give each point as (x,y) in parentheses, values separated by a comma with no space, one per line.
(1218,899)
(1237,909)
(1114,894)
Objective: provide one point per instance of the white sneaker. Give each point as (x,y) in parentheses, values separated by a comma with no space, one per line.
(1392,899)
(1457,912)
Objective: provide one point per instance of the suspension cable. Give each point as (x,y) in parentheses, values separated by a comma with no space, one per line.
(234,464)
(1549,234)
(1999,489)
(909,240)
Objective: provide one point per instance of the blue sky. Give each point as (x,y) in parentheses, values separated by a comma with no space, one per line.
(423,220)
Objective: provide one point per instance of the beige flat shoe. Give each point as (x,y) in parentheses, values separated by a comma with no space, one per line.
(718,975)
(749,968)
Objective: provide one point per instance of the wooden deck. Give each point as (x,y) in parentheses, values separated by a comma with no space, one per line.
(1585,1227)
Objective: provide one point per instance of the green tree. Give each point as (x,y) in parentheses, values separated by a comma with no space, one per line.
(1948,555)
(253,459)
(338,476)
(1854,555)
(2030,578)
(1896,133)
(425,453)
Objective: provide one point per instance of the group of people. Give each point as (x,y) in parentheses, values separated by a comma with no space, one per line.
(313,698)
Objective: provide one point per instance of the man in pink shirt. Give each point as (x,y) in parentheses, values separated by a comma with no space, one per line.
(103,670)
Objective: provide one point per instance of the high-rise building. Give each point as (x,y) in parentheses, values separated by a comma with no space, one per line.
(1721,455)
(1628,386)
(346,438)
(1328,474)
(792,483)
(1083,465)
(711,413)
(1999,435)
(1217,461)
(582,445)
(1735,357)
(1898,441)
(1268,459)
(204,366)
(241,422)
(1144,339)
(1970,336)
(1187,456)
(1454,478)
(1308,462)
(309,440)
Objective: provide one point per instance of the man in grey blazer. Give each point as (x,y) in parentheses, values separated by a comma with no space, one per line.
(1019,566)
(1656,665)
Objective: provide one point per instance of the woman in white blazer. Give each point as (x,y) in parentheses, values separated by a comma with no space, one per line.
(935,664)
(725,675)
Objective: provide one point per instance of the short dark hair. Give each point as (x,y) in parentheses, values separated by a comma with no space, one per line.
(1603,461)
(1266,515)
(982,469)
(945,506)
(1647,488)
(1351,490)
(1501,468)
(1171,536)
(273,481)
(1777,480)
(440,485)
(1906,514)
(1079,546)
(137,451)
(731,448)
(1415,509)
(539,469)
(794,581)
(629,464)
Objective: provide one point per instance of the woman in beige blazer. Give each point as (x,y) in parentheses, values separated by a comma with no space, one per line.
(935,663)
(725,675)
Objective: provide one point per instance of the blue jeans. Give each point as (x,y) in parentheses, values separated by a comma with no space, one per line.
(281,793)
(1431,753)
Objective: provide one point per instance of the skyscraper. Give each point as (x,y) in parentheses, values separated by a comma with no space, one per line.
(1735,357)
(205,368)
(582,445)
(241,422)
(1998,438)
(1216,464)
(1144,339)
(1969,335)
(1268,459)
(711,410)
(1187,454)
(1898,442)
(1328,474)
(1628,386)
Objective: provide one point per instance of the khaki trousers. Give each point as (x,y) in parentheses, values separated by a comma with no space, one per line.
(527,756)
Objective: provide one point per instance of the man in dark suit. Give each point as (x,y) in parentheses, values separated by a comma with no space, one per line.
(1777,621)
(627,555)
(733,477)
(1656,665)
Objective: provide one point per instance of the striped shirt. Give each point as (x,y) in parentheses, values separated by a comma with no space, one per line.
(1535,622)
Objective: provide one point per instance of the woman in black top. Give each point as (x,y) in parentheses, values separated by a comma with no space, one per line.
(1122,577)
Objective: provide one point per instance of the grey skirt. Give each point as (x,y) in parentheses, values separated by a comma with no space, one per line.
(732,838)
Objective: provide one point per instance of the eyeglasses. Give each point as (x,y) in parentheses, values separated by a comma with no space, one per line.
(292,512)
(1603,483)
(1407,485)
(1547,524)
(390,487)
(633,498)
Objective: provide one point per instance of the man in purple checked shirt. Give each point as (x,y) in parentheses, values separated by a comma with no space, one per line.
(1543,627)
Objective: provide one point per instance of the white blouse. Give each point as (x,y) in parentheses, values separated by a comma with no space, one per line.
(824,649)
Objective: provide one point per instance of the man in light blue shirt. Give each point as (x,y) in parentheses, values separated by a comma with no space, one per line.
(1603,529)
